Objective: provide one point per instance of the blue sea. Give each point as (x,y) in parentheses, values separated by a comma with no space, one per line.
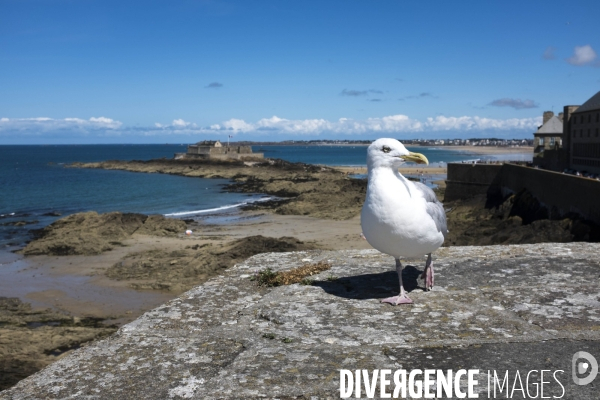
(36,187)
(350,155)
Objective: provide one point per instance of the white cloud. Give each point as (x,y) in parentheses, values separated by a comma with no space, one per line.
(274,126)
(235,124)
(389,124)
(103,120)
(106,122)
(442,123)
(176,125)
(44,124)
(179,123)
(306,126)
(393,123)
(582,55)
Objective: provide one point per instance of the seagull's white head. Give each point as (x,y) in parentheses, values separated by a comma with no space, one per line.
(391,153)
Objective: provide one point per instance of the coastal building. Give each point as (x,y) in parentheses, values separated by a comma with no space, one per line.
(548,143)
(571,139)
(214,149)
(582,129)
(549,135)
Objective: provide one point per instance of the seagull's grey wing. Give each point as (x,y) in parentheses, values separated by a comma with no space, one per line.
(435,209)
(426,191)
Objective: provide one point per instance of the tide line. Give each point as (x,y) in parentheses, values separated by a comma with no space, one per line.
(178,214)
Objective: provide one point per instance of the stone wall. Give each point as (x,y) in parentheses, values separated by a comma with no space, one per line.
(468,180)
(567,193)
(229,150)
(236,156)
(495,308)
(224,152)
(560,193)
(553,159)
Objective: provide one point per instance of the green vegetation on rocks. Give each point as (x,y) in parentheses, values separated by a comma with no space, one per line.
(31,339)
(91,233)
(179,270)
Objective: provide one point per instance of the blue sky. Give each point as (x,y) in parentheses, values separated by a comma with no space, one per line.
(85,71)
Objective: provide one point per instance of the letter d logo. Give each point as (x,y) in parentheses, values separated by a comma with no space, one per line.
(582,367)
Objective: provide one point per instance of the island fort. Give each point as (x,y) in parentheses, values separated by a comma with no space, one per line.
(213,149)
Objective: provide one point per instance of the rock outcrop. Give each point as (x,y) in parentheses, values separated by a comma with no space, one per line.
(92,233)
(518,219)
(303,189)
(180,270)
(32,339)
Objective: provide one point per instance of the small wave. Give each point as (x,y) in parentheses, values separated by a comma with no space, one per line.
(178,214)
(14,215)
(471,161)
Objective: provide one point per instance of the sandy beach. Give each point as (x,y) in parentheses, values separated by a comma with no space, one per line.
(78,284)
(491,149)
(437,170)
(404,170)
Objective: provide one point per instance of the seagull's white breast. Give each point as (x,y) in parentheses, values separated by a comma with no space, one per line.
(394,217)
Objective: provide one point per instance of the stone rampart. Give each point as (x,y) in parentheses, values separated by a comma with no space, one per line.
(222,152)
(498,308)
(467,180)
(560,193)
(567,193)
(553,159)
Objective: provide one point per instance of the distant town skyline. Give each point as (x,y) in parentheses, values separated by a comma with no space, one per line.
(505,142)
(180,72)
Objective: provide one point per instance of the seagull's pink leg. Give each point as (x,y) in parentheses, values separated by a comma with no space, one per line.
(428,273)
(402,298)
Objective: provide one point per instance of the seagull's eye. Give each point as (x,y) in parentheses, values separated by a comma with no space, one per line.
(386,149)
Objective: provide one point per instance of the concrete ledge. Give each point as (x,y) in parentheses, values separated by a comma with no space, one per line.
(525,307)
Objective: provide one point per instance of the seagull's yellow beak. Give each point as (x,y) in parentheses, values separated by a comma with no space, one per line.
(415,157)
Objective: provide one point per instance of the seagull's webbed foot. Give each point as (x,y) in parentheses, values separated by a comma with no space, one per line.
(428,274)
(402,298)
(396,300)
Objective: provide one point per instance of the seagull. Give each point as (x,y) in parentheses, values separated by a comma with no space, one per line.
(400,217)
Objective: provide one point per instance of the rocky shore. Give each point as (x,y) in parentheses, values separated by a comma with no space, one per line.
(316,208)
(303,189)
(180,269)
(517,219)
(32,339)
(328,193)
(92,233)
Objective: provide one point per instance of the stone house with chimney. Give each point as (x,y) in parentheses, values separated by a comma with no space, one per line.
(550,134)
(549,151)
